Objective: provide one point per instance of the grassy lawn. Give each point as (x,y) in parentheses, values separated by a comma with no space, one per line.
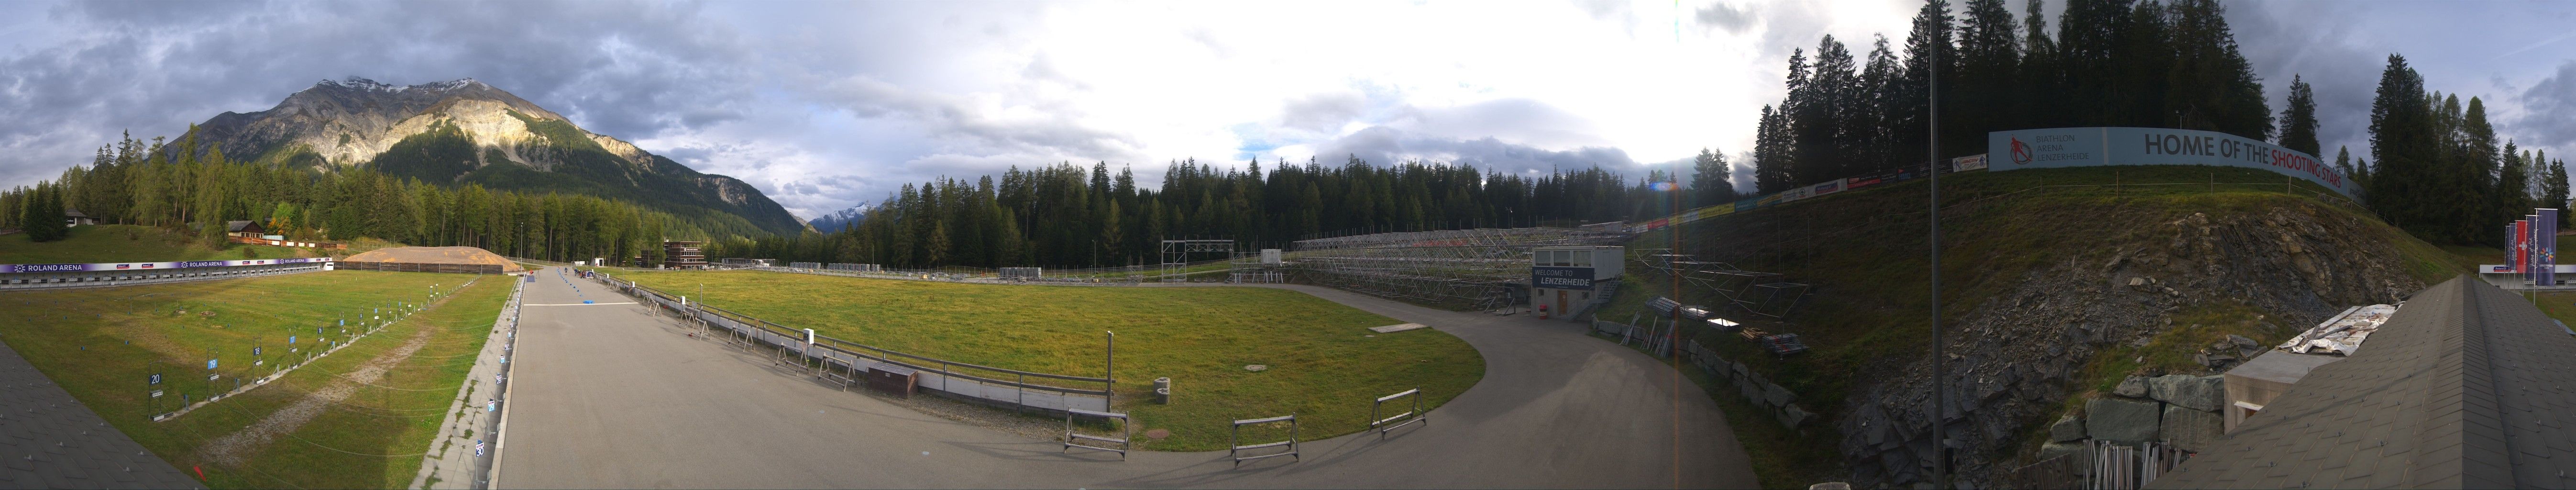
(1323,364)
(129,243)
(96,343)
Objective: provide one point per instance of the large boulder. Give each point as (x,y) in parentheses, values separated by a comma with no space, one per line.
(2122,420)
(2054,450)
(2066,429)
(2203,393)
(1776,396)
(2134,387)
(2190,430)
(1791,416)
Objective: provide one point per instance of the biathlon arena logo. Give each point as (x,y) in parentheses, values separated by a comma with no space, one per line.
(2020,152)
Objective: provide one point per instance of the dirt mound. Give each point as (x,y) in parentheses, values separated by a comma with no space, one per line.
(429,258)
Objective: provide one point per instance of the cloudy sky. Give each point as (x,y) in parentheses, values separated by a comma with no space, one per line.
(827,105)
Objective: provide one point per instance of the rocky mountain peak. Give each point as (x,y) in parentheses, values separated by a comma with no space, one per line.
(362,84)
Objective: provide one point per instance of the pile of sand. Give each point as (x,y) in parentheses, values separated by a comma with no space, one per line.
(436,255)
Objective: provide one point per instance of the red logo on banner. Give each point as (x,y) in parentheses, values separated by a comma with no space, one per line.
(2020,152)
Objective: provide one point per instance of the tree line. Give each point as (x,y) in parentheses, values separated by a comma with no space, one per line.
(1065,215)
(2110,63)
(185,187)
(2440,173)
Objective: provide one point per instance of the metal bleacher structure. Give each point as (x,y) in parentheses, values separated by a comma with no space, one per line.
(70,276)
(1762,293)
(1476,268)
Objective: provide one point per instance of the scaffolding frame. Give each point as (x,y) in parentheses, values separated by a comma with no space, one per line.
(1176,255)
(1482,268)
(1762,293)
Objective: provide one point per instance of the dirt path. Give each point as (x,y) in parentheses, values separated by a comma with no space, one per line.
(231,449)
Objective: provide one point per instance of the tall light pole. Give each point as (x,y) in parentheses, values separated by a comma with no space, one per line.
(1932,152)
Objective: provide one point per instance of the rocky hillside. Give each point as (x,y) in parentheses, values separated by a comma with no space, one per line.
(465,131)
(2051,298)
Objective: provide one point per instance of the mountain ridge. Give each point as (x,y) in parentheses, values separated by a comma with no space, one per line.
(465,131)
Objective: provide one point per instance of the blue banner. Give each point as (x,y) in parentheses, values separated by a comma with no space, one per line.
(2092,147)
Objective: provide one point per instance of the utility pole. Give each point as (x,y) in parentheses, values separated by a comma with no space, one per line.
(1932,151)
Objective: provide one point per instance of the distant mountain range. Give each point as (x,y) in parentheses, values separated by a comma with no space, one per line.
(464,131)
(842,219)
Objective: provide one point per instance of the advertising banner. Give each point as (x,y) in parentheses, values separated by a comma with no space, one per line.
(1825,188)
(137,266)
(2521,245)
(2089,147)
(1859,182)
(1792,194)
(1967,163)
(1716,211)
(2546,233)
(1561,277)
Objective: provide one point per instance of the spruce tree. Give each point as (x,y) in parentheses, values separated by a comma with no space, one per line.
(1709,179)
(2299,120)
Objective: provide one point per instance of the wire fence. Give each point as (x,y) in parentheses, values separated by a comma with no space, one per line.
(848,363)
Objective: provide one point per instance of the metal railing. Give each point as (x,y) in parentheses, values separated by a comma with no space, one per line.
(1411,416)
(1125,440)
(1238,447)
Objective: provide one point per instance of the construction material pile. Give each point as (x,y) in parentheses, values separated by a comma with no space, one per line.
(2342,334)
(461,260)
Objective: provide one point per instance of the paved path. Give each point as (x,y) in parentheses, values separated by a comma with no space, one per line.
(613,396)
(49,440)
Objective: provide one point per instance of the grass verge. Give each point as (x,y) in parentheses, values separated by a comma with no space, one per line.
(1324,365)
(98,341)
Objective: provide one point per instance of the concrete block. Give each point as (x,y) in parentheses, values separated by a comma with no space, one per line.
(1776,396)
(1791,416)
(2122,420)
(2190,430)
(2055,449)
(2069,428)
(2203,393)
(2134,387)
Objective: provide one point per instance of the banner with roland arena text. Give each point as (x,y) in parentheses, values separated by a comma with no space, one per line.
(2090,147)
(149,266)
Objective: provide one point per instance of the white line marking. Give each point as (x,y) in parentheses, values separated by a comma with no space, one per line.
(585,304)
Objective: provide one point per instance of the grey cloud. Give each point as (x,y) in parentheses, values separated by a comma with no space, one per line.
(2546,108)
(2313,41)
(1723,16)
(971,130)
(1385,145)
(1521,120)
(1322,113)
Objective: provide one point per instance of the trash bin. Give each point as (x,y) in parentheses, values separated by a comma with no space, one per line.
(893,379)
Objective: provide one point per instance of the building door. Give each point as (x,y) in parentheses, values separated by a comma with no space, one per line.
(1560,303)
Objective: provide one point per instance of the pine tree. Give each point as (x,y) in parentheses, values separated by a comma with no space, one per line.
(1709,179)
(2404,186)
(2343,165)
(2299,120)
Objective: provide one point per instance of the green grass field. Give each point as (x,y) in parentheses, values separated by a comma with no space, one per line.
(1323,364)
(97,344)
(129,243)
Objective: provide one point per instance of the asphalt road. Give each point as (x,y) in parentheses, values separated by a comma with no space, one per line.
(610,395)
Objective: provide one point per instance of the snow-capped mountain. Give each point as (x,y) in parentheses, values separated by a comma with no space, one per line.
(842,219)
